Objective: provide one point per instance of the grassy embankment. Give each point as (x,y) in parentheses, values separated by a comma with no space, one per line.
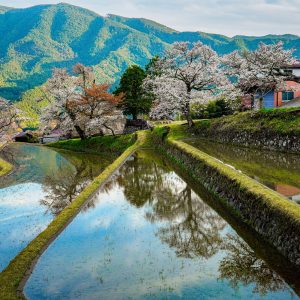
(274,217)
(179,131)
(96,145)
(5,167)
(271,167)
(14,276)
(282,121)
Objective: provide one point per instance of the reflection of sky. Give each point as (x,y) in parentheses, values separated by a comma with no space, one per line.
(21,218)
(112,252)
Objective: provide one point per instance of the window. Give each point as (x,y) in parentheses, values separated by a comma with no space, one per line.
(287,96)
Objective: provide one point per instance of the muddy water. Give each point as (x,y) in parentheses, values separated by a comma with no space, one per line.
(150,233)
(44,181)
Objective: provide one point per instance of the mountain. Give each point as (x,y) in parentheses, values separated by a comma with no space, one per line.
(4,9)
(36,39)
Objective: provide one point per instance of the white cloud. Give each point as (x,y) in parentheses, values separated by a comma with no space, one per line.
(25,194)
(230,17)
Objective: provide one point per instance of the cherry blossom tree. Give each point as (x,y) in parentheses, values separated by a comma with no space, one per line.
(258,72)
(86,75)
(7,115)
(81,104)
(185,71)
(97,107)
(62,87)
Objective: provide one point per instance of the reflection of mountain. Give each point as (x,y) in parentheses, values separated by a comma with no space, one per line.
(32,163)
(271,168)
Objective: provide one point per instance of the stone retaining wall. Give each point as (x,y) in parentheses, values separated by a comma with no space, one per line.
(256,139)
(272,216)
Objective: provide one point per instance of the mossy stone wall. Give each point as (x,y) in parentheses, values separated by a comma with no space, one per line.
(257,139)
(274,217)
(272,129)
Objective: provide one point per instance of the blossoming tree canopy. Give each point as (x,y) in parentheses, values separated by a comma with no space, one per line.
(97,106)
(80,104)
(184,71)
(7,115)
(258,72)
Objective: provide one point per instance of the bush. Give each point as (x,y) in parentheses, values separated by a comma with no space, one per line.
(214,109)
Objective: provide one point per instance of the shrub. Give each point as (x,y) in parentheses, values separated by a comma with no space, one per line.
(214,109)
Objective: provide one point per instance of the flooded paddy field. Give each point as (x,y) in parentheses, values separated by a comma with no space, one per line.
(278,171)
(43,182)
(150,233)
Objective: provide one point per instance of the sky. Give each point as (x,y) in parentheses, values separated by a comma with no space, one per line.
(228,17)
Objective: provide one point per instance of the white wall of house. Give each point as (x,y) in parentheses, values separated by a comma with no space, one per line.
(296,72)
(50,139)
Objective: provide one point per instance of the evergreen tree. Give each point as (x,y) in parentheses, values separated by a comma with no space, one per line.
(135,100)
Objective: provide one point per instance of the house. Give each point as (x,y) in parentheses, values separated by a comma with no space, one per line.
(278,99)
(292,70)
(289,191)
(288,97)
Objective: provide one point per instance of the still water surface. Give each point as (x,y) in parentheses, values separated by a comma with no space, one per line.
(279,171)
(44,181)
(148,234)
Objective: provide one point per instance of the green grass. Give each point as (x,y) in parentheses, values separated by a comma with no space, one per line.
(283,121)
(12,276)
(280,109)
(5,167)
(96,145)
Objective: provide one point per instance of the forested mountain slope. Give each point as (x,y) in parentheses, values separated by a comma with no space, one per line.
(36,39)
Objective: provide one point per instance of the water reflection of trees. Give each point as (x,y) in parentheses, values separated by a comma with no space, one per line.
(139,180)
(62,187)
(242,266)
(190,225)
(193,228)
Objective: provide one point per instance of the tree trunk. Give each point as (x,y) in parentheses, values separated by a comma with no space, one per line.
(80,132)
(190,120)
(109,128)
(134,116)
(252,102)
(72,116)
(187,110)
